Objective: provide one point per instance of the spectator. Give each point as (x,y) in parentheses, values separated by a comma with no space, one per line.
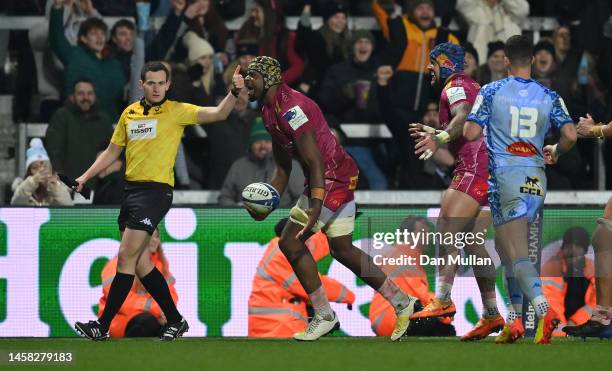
(566,70)
(86,60)
(207,85)
(348,94)
(227,140)
(492,20)
(544,63)
(568,280)
(122,43)
(48,67)
(325,47)
(206,23)
(230,9)
(140,315)
(410,278)
(411,38)
(121,8)
(278,304)
(266,24)
(494,69)
(471,60)
(258,166)
(77,131)
(41,187)
(246,51)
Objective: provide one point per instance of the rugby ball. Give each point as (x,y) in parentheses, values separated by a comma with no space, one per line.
(260,198)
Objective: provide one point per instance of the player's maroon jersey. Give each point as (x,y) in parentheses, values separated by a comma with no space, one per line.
(290,116)
(469,156)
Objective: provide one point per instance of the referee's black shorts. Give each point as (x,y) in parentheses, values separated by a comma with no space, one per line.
(144,205)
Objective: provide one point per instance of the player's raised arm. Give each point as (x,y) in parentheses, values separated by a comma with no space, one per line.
(309,152)
(110,155)
(207,115)
(280,178)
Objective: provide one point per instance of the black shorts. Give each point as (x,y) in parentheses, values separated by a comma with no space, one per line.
(144,205)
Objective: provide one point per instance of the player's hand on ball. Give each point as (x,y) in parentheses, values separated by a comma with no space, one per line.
(237,80)
(426,147)
(551,155)
(257,216)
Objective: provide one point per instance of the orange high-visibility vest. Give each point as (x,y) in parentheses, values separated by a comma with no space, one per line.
(138,300)
(409,278)
(277,304)
(555,289)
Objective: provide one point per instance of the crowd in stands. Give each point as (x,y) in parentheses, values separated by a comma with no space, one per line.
(78,72)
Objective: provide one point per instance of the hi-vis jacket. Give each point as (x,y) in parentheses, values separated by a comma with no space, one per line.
(138,300)
(277,304)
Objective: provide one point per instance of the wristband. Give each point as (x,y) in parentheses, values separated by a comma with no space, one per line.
(443,137)
(235,92)
(318,193)
(598,128)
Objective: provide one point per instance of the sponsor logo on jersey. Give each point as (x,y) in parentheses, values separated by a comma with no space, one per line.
(532,186)
(522,149)
(455,94)
(142,129)
(295,117)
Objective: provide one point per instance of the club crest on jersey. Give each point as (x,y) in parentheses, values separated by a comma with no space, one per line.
(295,117)
(522,149)
(142,129)
(532,186)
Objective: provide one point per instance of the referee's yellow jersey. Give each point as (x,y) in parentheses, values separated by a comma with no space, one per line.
(151,141)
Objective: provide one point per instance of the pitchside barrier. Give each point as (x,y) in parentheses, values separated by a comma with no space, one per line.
(51,261)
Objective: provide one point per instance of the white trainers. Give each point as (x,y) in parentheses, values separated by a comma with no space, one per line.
(317,327)
(403,320)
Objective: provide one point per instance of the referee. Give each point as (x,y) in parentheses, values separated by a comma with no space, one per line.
(150,131)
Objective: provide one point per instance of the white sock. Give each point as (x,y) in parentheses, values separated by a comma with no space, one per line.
(541,305)
(512,315)
(321,304)
(394,295)
(444,290)
(490,307)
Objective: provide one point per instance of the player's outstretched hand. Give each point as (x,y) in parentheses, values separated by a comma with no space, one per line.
(237,80)
(419,131)
(426,147)
(585,126)
(550,154)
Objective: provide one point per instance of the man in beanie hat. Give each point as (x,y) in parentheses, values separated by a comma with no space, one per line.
(258,166)
(568,279)
(41,187)
(465,206)
(299,131)
(494,69)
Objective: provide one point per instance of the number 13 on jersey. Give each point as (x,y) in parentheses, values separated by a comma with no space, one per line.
(524,122)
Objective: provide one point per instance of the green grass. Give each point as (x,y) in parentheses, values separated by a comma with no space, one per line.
(327,354)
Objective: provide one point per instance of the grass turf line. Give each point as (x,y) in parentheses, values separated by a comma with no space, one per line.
(326,354)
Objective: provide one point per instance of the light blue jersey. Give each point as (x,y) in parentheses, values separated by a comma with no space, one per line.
(516,114)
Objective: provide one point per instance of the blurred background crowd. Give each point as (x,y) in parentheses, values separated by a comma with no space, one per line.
(78,67)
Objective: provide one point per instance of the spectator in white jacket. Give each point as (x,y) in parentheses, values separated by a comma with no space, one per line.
(492,20)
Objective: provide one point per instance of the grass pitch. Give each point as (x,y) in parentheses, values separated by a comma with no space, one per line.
(326,354)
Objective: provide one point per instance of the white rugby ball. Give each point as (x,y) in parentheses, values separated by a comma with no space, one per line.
(261,198)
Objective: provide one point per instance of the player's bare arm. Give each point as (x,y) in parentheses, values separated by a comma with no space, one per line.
(588,128)
(309,152)
(110,155)
(566,142)
(471,131)
(208,115)
(431,142)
